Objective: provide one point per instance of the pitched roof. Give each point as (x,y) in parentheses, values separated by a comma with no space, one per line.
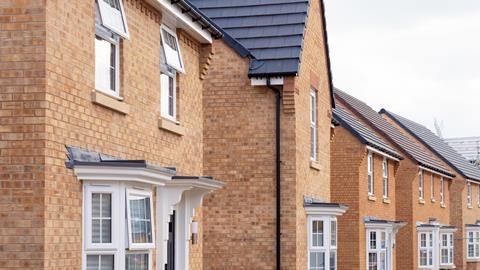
(411,148)
(438,146)
(362,132)
(271,30)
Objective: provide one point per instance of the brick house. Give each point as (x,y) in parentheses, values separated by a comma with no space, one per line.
(424,184)
(465,191)
(267,130)
(364,169)
(120,83)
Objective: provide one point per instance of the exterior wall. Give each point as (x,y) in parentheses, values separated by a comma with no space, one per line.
(239,220)
(314,182)
(350,186)
(50,97)
(22,134)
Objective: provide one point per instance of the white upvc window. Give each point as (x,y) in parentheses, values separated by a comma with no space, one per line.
(378,251)
(322,243)
(313,124)
(473,244)
(469,194)
(385,177)
(114,241)
(442,190)
(171,49)
(432,187)
(107,58)
(446,249)
(421,194)
(425,249)
(370,173)
(113,16)
(139,218)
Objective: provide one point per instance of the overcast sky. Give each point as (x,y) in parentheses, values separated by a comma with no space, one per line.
(417,58)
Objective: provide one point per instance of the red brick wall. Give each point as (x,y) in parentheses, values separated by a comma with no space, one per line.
(22,134)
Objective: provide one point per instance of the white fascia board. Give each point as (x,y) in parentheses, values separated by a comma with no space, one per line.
(172,15)
(262,81)
(325,210)
(435,172)
(106,173)
(369,148)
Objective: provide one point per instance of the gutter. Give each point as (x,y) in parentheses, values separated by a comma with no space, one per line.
(277,170)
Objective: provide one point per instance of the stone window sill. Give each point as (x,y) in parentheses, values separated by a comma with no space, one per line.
(421,201)
(432,200)
(110,102)
(372,198)
(443,205)
(386,200)
(447,266)
(469,207)
(170,126)
(315,165)
(473,260)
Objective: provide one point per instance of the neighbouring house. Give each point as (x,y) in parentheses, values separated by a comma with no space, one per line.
(120,84)
(468,147)
(423,188)
(464,195)
(267,129)
(364,175)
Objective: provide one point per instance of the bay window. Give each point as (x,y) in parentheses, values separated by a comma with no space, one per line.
(446,249)
(378,249)
(473,243)
(426,249)
(322,238)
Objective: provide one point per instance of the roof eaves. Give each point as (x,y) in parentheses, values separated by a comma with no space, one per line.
(197,15)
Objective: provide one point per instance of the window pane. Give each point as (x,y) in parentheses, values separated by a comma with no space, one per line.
(423,257)
(383,261)
(171,98)
(372,261)
(317,260)
(104,64)
(140,219)
(317,233)
(136,262)
(383,240)
(100,262)
(96,231)
(373,240)
(333,231)
(101,218)
(444,256)
(333,260)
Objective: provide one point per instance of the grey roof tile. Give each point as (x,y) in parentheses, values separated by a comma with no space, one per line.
(362,132)
(262,26)
(438,146)
(414,150)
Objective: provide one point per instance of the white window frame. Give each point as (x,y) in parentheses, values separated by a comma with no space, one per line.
(143,193)
(180,66)
(385,177)
(370,180)
(107,14)
(329,245)
(115,41)
(432,187)
(449,247)
(116,214)
(473,242)
(429,248)
(148,252)
(421,191)
(379,250)
(442,190)
(469,194)
(313,125)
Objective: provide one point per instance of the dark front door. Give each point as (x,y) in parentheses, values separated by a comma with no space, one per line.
(171,244)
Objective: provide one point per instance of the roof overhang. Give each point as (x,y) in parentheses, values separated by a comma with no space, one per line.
(382,153)
(436,172)
(317,207)
(182,14)
(265,81)
(372,223)
(103,171)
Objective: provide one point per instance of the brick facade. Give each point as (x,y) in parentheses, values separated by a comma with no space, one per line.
(46,103)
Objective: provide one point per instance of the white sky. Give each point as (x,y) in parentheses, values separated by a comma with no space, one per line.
(416,58)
